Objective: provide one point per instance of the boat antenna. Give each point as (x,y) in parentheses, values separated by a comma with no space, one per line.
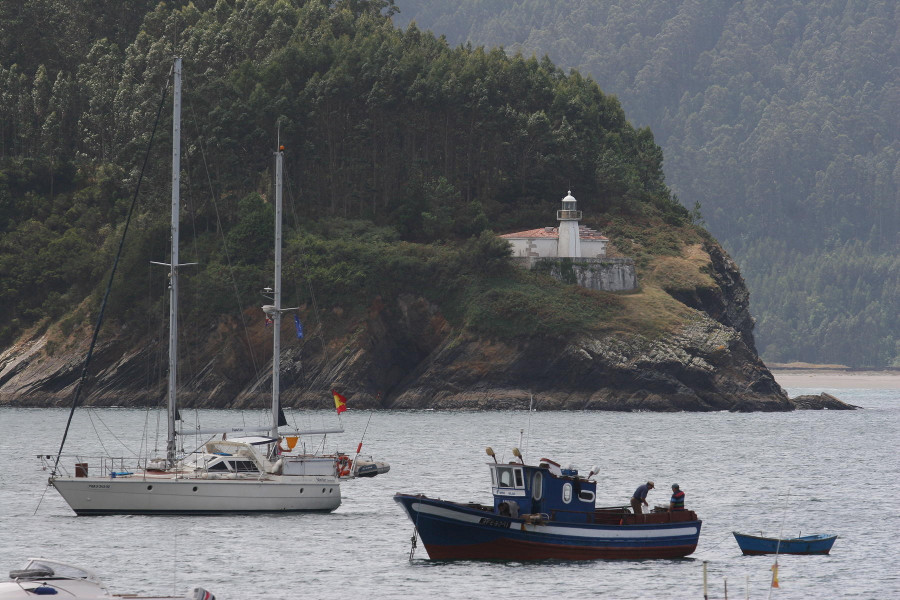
(530,405)
(359,447)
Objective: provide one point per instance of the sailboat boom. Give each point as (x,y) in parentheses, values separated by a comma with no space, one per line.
(247,430)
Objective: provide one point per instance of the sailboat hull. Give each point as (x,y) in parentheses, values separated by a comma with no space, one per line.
(139,495)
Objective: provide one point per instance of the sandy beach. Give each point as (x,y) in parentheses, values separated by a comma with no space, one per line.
(836,379)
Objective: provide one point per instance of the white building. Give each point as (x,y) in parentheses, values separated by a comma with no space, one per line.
(569,240)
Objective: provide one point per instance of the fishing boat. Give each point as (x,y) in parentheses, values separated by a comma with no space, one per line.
(223,475)
(545,512)
(45,577)
(808,544)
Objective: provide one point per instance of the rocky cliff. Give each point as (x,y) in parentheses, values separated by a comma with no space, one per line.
(404,354)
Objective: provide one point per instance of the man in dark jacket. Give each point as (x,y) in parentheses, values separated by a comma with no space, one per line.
(640,497)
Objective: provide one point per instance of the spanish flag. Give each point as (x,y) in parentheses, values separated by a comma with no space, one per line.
(340,403)
(775,575)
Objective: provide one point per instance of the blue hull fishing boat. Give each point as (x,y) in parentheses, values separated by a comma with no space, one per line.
(545,512)
(808,544)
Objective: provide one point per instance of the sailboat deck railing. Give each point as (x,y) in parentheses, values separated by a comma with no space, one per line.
(94,466)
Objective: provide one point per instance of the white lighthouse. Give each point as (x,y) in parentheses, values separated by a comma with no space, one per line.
(569,240)
(569,235)
(571,250)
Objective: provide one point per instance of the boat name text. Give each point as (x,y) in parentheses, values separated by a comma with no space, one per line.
(494,523)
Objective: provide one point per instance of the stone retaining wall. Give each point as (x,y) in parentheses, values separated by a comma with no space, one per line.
(603,274)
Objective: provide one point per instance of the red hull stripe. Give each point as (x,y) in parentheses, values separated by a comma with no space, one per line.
(516,550)
(760,552)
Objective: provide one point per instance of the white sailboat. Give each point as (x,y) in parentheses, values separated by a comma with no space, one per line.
(225,476)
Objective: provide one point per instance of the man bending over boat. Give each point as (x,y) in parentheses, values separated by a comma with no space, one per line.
(640,497)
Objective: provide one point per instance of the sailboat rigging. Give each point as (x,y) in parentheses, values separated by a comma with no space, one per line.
(224,476)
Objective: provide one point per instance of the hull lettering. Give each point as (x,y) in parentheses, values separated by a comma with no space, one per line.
(494,523)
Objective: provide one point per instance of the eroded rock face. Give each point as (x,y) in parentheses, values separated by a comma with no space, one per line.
(729,302)
(405,355)
(704,368)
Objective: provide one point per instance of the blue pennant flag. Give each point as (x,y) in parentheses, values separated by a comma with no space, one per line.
(299,327)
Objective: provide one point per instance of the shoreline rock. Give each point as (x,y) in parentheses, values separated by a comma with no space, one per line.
(821,401)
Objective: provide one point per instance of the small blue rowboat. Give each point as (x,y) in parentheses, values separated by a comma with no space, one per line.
(808,544)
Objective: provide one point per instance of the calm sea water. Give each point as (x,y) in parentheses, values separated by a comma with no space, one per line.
(807,471)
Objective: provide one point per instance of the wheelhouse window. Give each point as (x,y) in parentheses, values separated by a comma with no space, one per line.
(219,466)
(508,477)
(537,485)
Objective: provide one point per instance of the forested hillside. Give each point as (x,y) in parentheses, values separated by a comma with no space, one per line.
(402,154)
(780,118)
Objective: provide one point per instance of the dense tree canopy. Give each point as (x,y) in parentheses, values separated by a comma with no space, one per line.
(421,142)
(778,117)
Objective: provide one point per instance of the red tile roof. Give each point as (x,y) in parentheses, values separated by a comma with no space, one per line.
(543,232)
(553,232)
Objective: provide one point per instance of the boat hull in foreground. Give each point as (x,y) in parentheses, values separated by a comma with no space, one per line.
(808,544)
(138,494)
(456,531)
(46,577)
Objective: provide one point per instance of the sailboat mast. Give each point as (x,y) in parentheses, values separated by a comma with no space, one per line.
(276,334)
(173,265)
